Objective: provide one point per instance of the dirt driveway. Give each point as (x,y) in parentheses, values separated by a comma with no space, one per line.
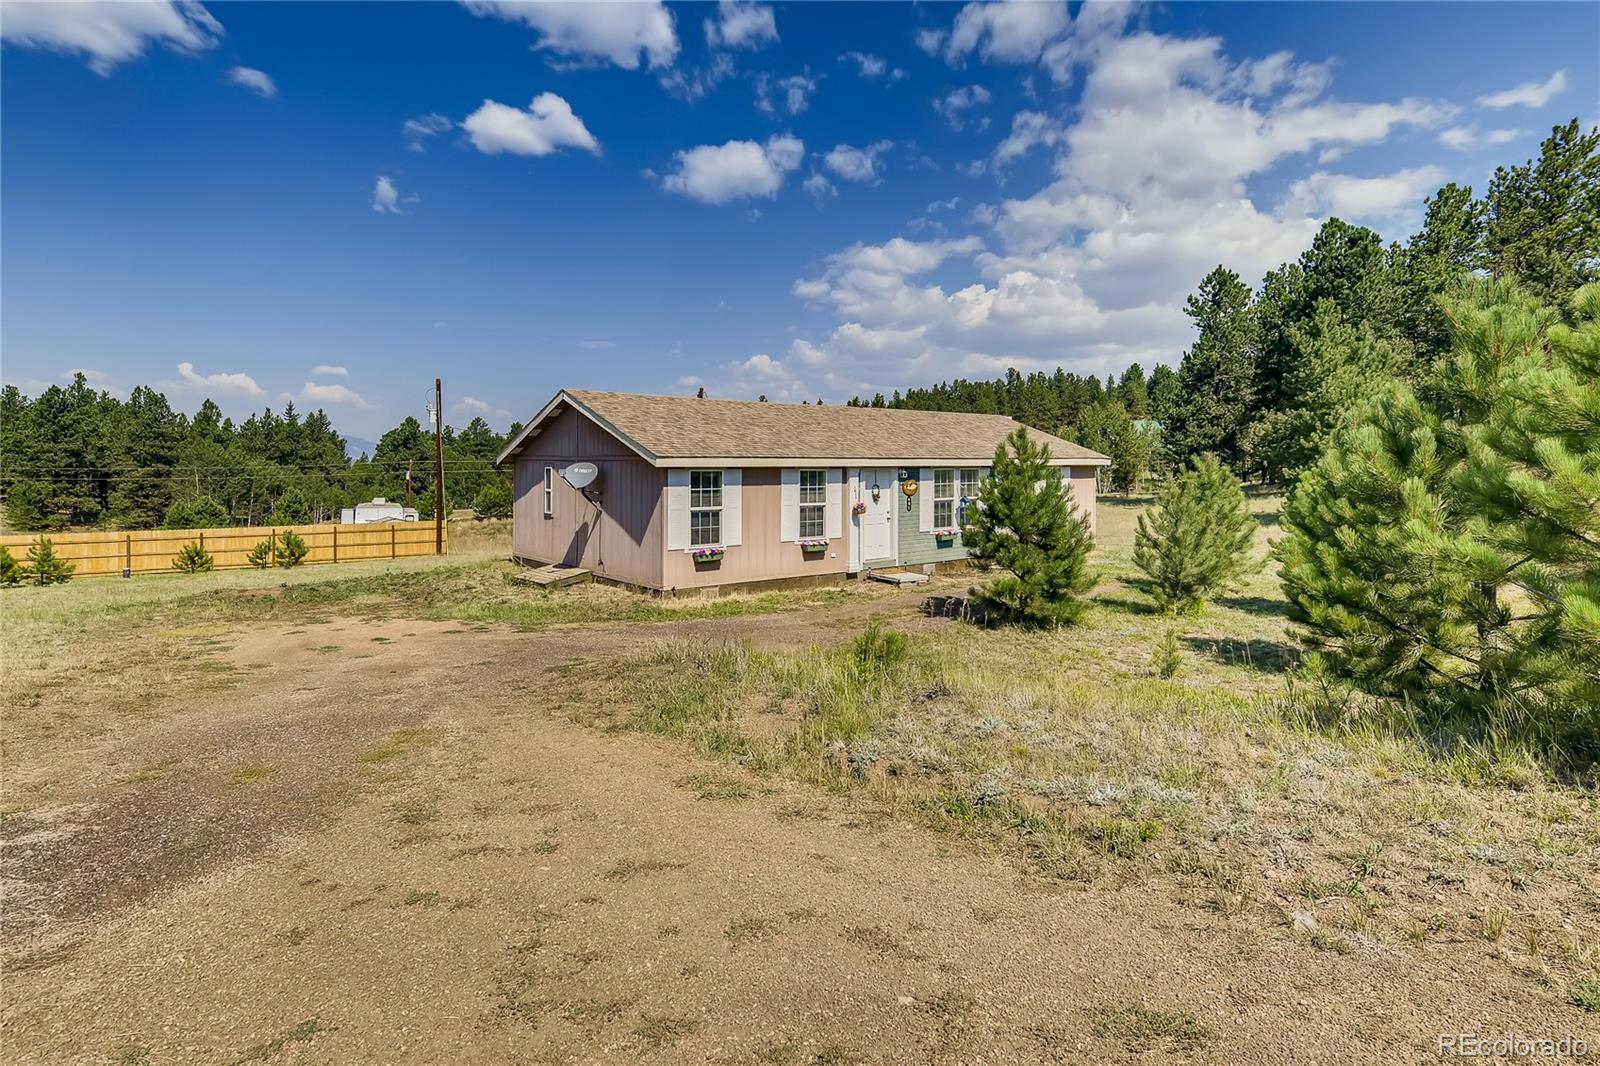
(389,843)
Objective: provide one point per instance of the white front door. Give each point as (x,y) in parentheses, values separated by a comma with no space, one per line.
(877,524)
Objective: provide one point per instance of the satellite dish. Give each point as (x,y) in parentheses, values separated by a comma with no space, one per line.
(580,475)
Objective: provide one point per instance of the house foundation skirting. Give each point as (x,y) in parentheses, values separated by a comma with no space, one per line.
(771,584)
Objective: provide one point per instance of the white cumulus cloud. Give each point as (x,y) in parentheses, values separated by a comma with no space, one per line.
(627,34)
(1350,197)
(737,170)
(1528,94)
(739,24)
(325,392)
(323,370)
(107,32)
(857,164)
(223,384)
(545,127)
(1153,168)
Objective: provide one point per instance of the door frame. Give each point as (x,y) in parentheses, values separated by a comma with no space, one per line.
(858,560)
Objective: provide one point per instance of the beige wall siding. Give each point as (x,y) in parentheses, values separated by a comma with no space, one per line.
(1083,491)
(623,538)
(762,555)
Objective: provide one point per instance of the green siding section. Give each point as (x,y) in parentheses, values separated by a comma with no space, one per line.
(917,547)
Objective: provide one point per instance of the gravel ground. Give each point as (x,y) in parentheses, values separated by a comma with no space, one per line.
(384,844)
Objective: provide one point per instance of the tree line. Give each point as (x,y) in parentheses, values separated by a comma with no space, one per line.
(77,458)
(1273,370)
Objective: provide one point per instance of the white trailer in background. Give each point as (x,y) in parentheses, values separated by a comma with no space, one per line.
(376,510)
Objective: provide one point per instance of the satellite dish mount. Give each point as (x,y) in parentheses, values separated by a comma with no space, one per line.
(580,475)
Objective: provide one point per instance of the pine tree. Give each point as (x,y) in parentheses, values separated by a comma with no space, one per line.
(1435,264)
(291,550)
(1196,542)
(1024,524)
(1217,374)
(493,500)
(195,512)
(260,554)
(291,509)
(44,566)
(1163,388)
(1532,473)
(1448,549)
(11,571)
(192,559)
(1544,217)
(1334,366)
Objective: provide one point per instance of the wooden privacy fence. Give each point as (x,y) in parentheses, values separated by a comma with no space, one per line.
(150,551)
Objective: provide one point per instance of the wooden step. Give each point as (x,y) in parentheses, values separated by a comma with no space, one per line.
(555,577)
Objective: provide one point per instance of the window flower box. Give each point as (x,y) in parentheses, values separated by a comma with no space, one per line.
(946,534)
(707,554)
(814,545)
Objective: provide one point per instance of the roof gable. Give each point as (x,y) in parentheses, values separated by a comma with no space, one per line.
(674,430)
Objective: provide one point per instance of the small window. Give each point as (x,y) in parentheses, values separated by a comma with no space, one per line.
(944,499)
(549,491)
(705,508)
(813,503)
(969,492)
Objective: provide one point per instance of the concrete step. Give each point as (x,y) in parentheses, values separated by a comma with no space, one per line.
(897,577)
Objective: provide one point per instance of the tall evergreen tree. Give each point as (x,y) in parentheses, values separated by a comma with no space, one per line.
(1024,525)
(1217,375)
(1163,388)
(1544,216)
(1436,263)
(1334,366)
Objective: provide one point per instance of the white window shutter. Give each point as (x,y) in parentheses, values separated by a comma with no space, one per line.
(834,513)
(732,517)
(677,510)
(925,495)
(789,501)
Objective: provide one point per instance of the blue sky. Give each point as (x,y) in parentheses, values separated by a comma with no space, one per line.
(336,202)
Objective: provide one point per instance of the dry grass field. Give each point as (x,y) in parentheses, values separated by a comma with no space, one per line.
(419,812)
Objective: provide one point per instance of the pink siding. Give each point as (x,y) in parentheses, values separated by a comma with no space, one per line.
(623,538)
(1083,491)
(762,553)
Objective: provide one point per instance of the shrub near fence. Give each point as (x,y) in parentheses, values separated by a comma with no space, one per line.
(150,551)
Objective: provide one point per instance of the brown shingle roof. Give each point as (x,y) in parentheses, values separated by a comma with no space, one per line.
(685,427)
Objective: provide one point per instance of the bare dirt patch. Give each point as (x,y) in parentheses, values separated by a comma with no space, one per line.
(406,850)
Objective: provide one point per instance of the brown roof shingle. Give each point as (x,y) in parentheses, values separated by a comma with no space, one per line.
(686,427)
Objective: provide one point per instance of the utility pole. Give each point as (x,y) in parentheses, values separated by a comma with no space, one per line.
(438,467)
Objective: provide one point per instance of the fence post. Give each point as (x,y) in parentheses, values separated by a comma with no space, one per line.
(335,543)
(127,555)
(391,542)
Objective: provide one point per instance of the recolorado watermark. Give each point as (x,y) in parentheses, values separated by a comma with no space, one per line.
(1509,1046)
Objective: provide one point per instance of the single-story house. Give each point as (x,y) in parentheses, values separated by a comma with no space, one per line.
(681,492)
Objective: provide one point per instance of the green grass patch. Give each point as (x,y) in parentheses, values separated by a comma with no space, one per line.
(1140,1029)
(251,775)
(400,742)
(1585,995)
(306,1031)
